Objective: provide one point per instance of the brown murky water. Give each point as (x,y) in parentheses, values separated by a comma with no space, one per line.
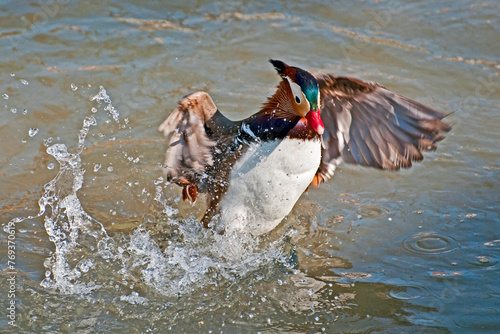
(93,240)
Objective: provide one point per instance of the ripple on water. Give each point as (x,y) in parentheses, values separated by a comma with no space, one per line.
(408,292)
(482,261)
(430,243)
(480,320)
(493,290)
(372,211)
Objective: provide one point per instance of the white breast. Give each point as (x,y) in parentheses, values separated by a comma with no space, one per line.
(266,182)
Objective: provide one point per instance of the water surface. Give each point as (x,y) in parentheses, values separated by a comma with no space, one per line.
(102,244)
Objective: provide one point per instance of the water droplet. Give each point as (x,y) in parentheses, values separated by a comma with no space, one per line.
(74,87)
(97,167)
(5,96)
(12,74)
(24,82)
(50,166)
(25,112)
(110,168)
(13,110)
(33,132)
(47,141)
(86,265)
(93,109)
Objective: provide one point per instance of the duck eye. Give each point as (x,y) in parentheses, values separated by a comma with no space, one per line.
(297,99)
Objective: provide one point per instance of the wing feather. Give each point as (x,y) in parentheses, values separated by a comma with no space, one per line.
(196,128)
(369,125)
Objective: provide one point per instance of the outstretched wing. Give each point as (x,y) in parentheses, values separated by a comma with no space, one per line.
(197,127)
(369,125)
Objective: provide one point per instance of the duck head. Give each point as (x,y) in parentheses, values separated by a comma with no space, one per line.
(303,92)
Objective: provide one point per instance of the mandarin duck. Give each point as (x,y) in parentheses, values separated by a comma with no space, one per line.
(253,171)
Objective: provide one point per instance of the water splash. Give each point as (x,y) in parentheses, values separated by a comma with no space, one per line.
(86,257)
(103,96)
(68,221)
(201,258)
